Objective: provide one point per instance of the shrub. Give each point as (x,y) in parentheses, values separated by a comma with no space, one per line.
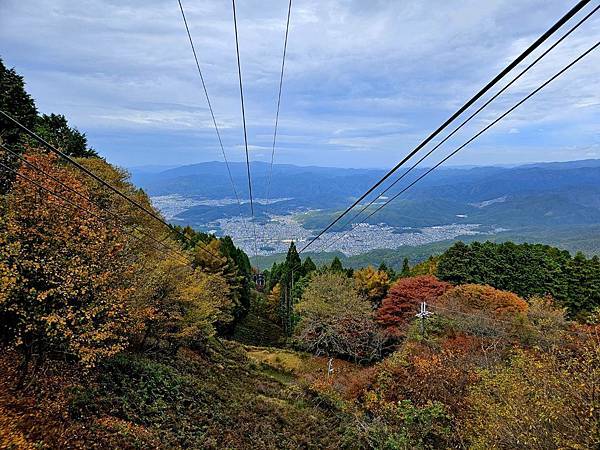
(537,401)
(402,425)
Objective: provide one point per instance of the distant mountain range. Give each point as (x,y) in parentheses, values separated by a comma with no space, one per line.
(308,185)
(531,197)
(545,194)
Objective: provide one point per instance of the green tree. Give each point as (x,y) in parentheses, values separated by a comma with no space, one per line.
(405,268)
(383,267)
(291,273)
(55,129)
(583,284)
(336,265)
(527,270)
(292,259)
(16,102)
(308,266)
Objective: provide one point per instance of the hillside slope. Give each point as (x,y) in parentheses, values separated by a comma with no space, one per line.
(217,400)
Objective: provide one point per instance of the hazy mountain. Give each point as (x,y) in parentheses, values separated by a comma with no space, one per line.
(542,196)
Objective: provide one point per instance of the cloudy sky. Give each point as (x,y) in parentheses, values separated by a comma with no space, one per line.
(365,80)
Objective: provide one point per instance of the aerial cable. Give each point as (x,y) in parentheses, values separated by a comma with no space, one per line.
(239,65)
(88,199)
(270,176)
(473,99)
(548,50)
(71,203)
(98,179)
(212,114)
(483,130)
(83,208)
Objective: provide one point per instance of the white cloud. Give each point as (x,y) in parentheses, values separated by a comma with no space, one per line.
(363,79)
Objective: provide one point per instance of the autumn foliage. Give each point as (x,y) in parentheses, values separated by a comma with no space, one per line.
(64,271)
(475,298)
(372,284)
(403,299)
(80,277)
(335,319)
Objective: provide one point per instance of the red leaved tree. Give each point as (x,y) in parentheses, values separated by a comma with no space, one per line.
(403,298)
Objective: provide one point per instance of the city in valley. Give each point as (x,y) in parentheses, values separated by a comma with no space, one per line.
(275,235)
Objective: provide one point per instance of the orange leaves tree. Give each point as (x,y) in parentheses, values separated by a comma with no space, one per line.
(62,272)
(477,297)
(483,310)
(403,298)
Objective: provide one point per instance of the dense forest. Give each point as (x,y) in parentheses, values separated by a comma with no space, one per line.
(117,331)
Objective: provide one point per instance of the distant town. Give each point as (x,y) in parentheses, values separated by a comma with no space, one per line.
(275,235)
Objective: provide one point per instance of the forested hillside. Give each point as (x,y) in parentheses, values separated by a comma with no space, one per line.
(118,330)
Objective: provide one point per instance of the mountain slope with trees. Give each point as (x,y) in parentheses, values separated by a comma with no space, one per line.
(117,331)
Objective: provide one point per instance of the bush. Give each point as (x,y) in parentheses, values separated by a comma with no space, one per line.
(402,425)
(537,401)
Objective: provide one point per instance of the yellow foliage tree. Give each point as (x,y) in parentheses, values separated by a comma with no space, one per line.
(537,401)
(63,275)
(372,284)
(273,301)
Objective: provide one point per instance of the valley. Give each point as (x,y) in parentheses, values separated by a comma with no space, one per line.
(535,201)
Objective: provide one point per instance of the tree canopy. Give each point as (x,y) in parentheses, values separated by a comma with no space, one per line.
(527,270)
(403,299)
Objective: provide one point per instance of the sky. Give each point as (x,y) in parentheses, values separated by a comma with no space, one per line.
(365,81)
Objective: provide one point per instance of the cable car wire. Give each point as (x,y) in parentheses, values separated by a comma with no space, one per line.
(483,130)
(270,176)
(88,199)
(548,50)
(71,203)
(99,180)
(212,114)
(463,108)
(239,65)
